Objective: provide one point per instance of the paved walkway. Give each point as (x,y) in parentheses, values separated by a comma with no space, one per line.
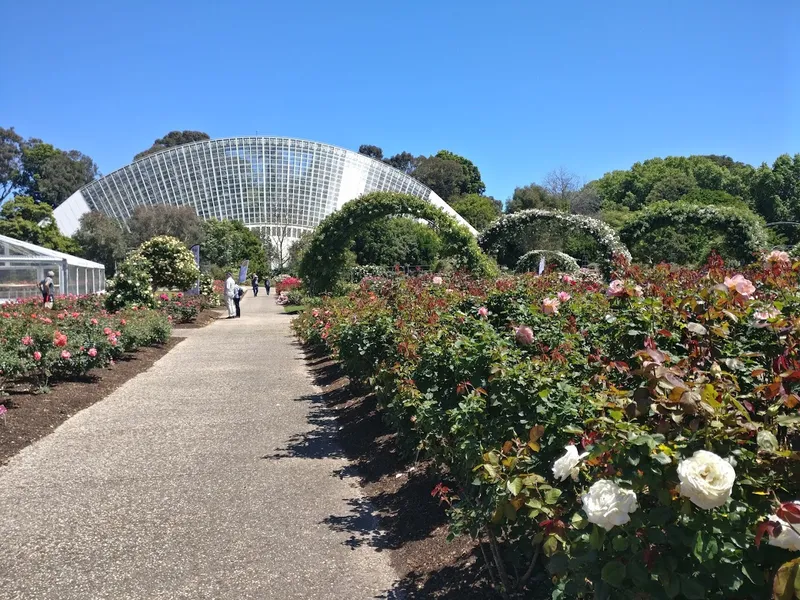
(170,487)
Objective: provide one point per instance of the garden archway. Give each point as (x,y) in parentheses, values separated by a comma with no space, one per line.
(512,226)
(529,262)
(323,263)
(744,234)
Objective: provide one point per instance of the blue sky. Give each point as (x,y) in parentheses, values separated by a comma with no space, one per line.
(518,87)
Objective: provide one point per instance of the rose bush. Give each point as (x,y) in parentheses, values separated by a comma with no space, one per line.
(675,393)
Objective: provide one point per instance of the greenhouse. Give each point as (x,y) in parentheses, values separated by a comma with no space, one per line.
(24,265)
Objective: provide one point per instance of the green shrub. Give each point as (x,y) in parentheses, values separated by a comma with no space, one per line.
(169,262)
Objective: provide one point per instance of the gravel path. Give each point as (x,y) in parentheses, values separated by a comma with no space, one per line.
(196,479)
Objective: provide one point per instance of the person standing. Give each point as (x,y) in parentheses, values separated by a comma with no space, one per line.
(255,284)
(238,292)
(48,290)
(266,285)
(230,286)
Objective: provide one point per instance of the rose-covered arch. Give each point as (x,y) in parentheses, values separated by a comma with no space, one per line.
(562,261)
(745,234)
(511,226)
(323,264)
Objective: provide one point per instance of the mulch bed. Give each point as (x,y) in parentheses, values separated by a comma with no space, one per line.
(413,527)
(203,319)
(32,416)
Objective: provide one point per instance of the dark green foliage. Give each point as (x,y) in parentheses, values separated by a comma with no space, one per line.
(473,183)
(404,161)
(396,241)
(51,175)
(173,138)
(686,233)
(445,177)
(371,151)
(102,240)
(534,196)
(324,264)
(10,160)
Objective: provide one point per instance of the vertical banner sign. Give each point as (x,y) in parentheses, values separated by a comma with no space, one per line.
(196,251)
(243,271)
(541,265)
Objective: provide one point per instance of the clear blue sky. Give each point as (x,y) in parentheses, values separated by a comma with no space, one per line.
(519,87)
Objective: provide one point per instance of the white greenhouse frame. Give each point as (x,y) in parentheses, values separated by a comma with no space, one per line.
(23,265)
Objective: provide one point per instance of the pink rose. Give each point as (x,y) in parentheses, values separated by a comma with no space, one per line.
(616,288)
(92,352)
(37,355)
(550,306)
(483,312)
(524,335)
(638,291)
(107,331)
(437,280)
(27,340)
(740,285)
(777,257)
(568,279)
(122,322)
(65,355)
(563,296)
(94,321)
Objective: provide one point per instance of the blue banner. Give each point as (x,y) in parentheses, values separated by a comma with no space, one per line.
(243,271)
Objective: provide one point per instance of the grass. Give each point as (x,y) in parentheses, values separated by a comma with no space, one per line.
(294,308)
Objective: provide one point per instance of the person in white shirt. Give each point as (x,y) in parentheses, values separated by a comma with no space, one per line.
(230,292)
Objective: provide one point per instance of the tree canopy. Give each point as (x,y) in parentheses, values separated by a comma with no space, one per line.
(10,160)
(25,219)
(228,243)
(445,177)
(479,211)
(173,138)
(102,240)
(371,151)
(472,176)
(181,222)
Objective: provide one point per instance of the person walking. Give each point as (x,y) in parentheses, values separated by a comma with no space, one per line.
(230,286)
(48,290)
(255,284)
(266,285)
(238,292)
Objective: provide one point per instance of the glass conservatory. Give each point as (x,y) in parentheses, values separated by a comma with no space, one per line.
(24,265)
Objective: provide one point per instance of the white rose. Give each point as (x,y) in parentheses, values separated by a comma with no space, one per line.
(567,465)
(606,504)
(788,538)
(706,479)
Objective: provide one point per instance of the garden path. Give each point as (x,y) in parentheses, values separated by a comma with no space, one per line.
(200,478)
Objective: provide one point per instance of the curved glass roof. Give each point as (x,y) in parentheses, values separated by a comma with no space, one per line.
(283,185)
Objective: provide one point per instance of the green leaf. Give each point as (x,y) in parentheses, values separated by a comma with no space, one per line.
(638,573)
(515,486)
(552,495)
(705,546)
(697,328)
(559,564)
(613,573)
(578,521)
(619,543)
(597,537)
(550,546)
(691,588)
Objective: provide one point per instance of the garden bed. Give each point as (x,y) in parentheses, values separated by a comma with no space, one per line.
(206,317)
(32,416)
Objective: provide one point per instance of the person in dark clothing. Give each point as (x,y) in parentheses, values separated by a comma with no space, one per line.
(238,292)
(266,285)
(47,288)
(255,284)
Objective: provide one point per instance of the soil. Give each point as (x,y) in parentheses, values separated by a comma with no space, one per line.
(32,416)
(204,318)
(397,490)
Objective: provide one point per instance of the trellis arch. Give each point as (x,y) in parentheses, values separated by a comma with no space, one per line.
(745,234)
(323,263)
(530,261)
(510,226)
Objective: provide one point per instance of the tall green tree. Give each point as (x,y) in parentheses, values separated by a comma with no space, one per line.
(10,160)
(479,211)
(173,138)
(371,151)
(445,177)
(181,222)
(102,240)
(51,175)
(472,183)
(404,161)
(24,219)
(533,196)
(228,243)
